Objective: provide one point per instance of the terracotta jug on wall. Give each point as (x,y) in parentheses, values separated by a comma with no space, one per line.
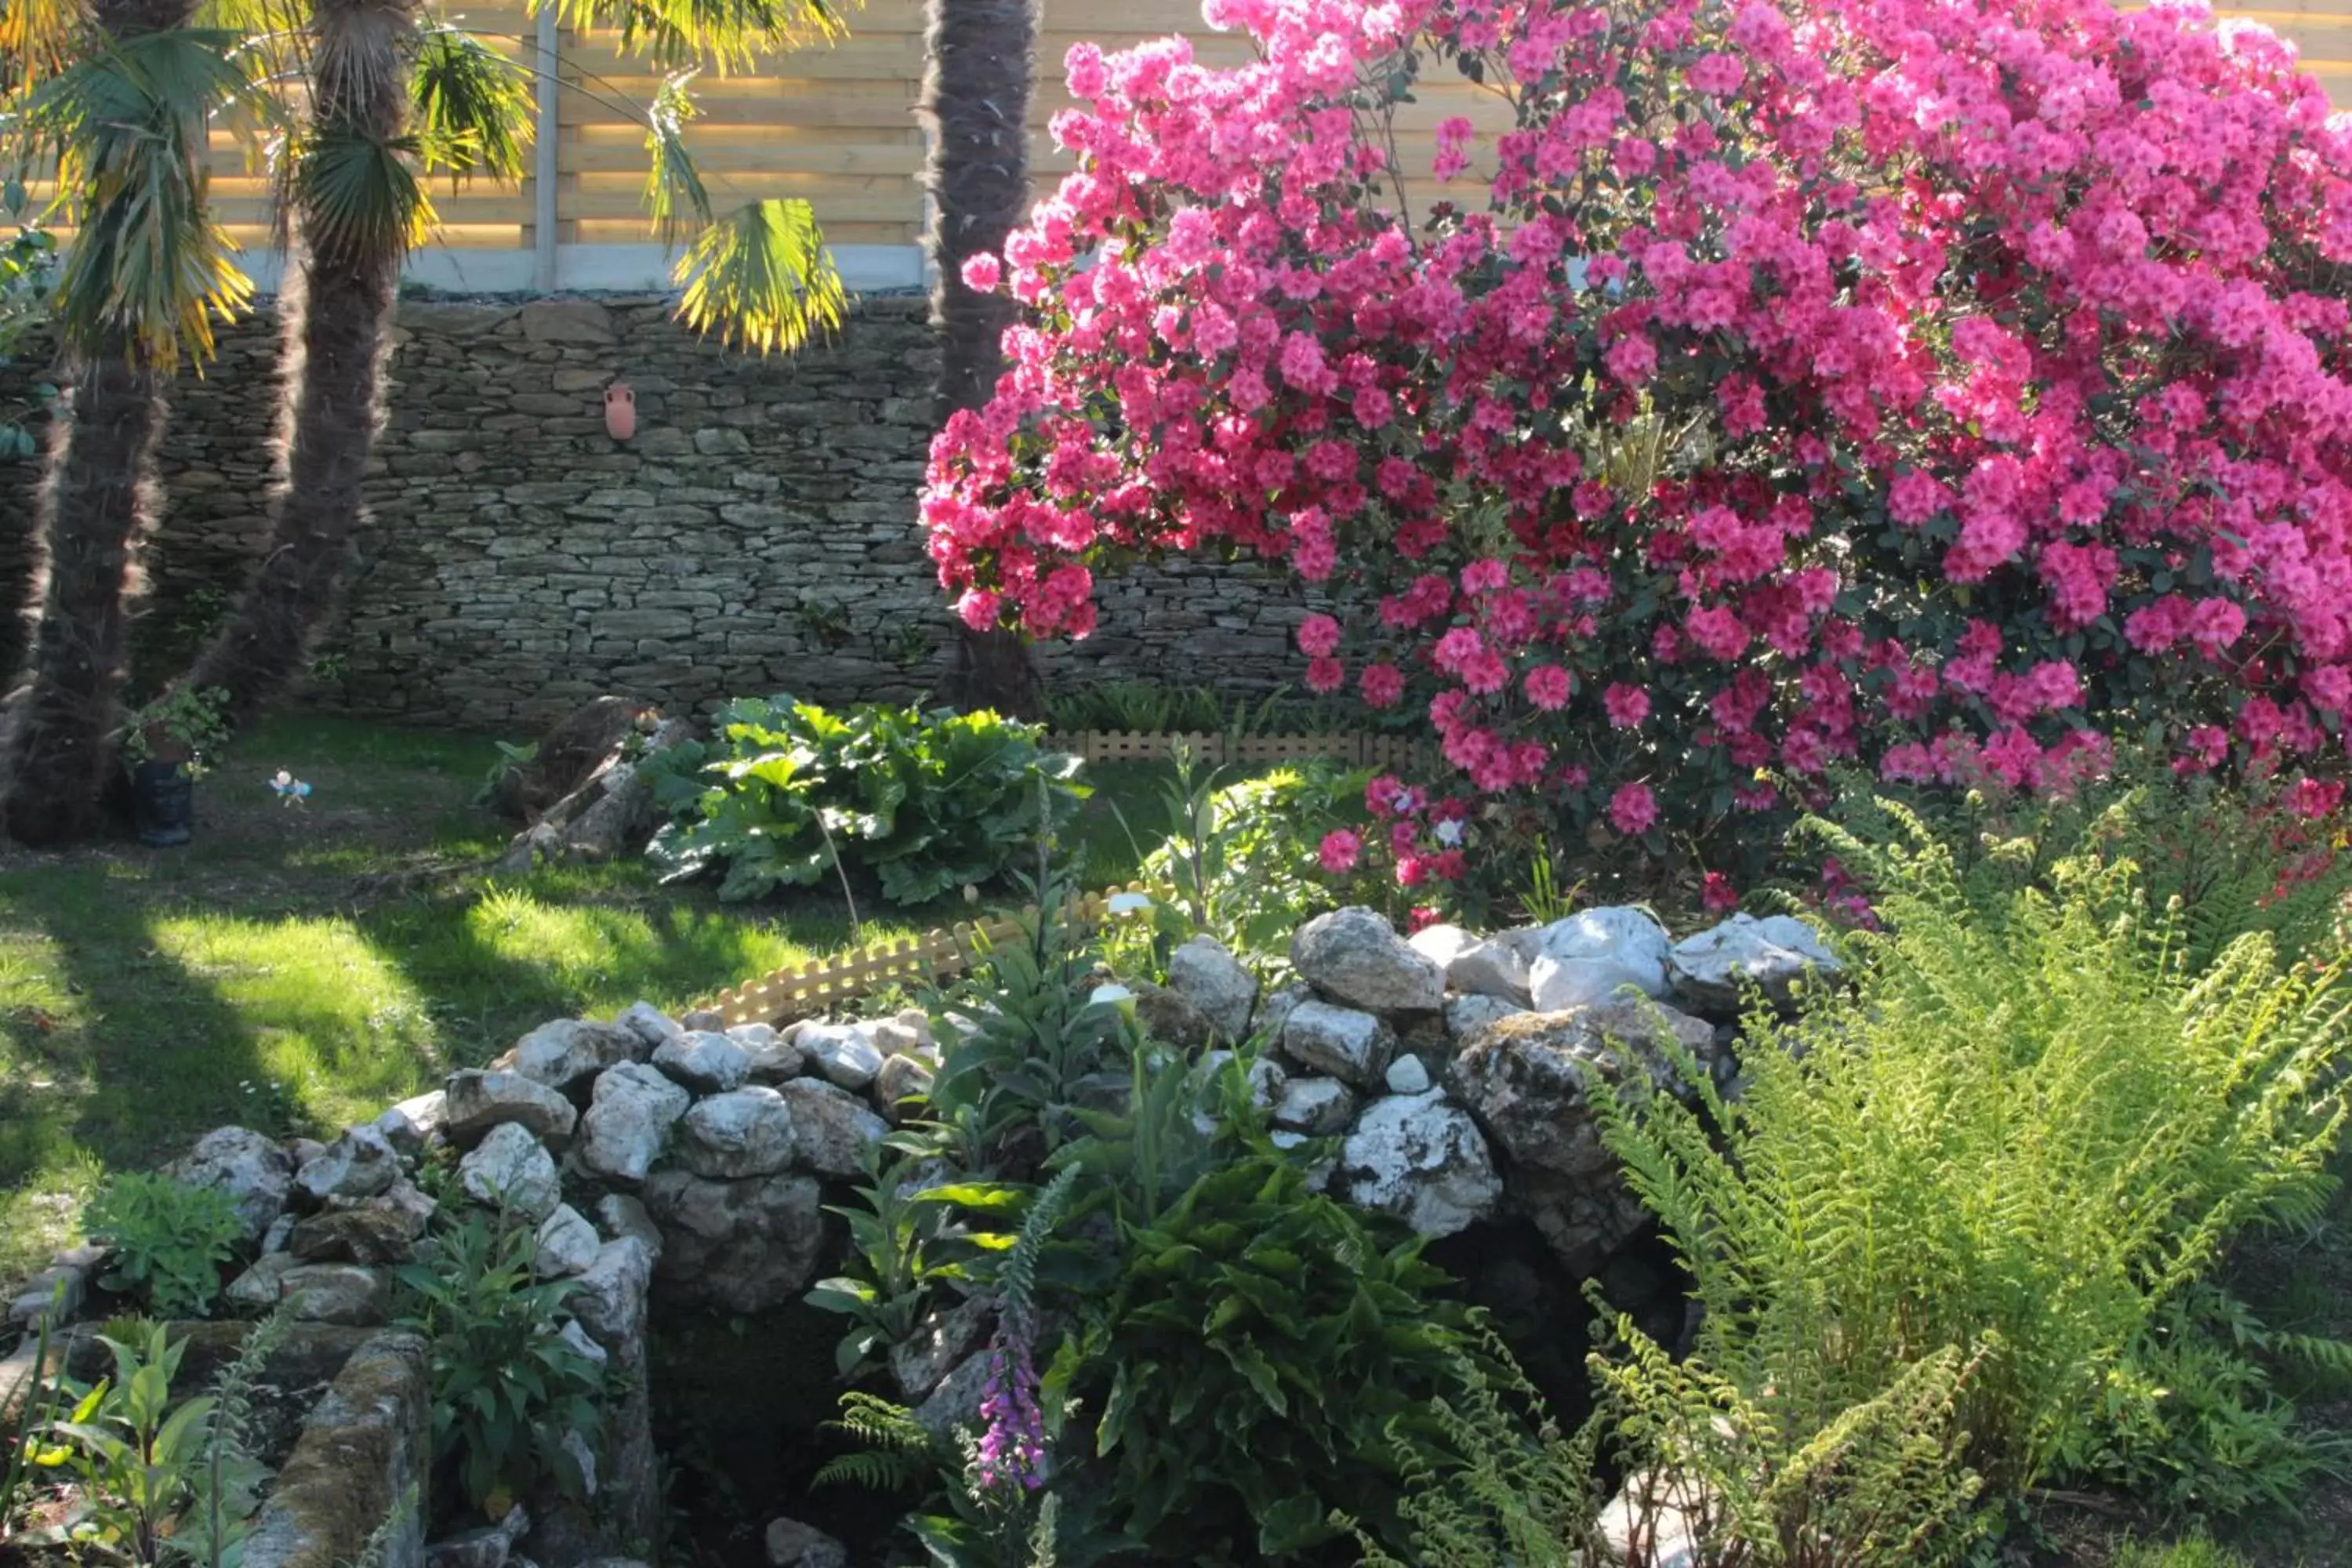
(620,411)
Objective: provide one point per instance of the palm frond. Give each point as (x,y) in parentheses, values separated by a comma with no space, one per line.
(474,114)
(361,193)
(726,35)
(38,40)
(759,276)
(675,195)
(125,127)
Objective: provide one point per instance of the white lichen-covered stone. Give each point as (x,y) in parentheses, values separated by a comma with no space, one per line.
(1715,969)
(1423,1161)
(477,1102)
(567,1244)
(704,1061)
(740,1246)
(249,1168)
(511,1169)
(1407,1075)
(831,1128)
(628,1121)
(1603,949)
(1205,975)
(842,1054)
(1465,1015)
(1351,1045)
(1495,968)
(414,1121)
(568,1051)
(901,1086)
(1354,957)
(359,1164)
(650,1024)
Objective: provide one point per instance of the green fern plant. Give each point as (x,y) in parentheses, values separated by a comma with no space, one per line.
(2033,1122)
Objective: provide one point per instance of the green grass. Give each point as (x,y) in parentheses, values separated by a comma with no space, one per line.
(296,969)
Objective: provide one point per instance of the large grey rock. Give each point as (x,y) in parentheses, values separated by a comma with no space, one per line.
(1594,956)
(349,1491)
(414,1121)
(1274,1013)
(650,1024)
(252,1172)
(1495,968)
(513,1170)
(628,1122)
(1351,1045)
(903,1078)
(622,1215)
(1527,1081)
(940,1341)
(832,1129)
(1441,942)
(1715,969)
(1465,1015)
(743,1132)
(704,1061)
(842,1054)
(479,1101)
(1423,1161)
(1205,975)
(374,1234)
(258,1289)
(740,1246)
(359,1164)
(954,1404)
(341,1293)
(569,1051)
(1355,958)
(792,1545)
(567,1244)
(609,1299)
(488,1547)
(1318,1107)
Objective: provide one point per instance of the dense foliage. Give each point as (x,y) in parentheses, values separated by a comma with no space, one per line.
(165,1241)
(1245,860)
(1950,385)
(787,793)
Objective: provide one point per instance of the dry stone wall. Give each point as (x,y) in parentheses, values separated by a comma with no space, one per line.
(758,533)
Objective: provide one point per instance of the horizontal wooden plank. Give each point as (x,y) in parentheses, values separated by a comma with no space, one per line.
(616,231)
(898,157)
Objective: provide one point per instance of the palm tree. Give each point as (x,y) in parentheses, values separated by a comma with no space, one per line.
(977,76)
(118,100)
(358,204)
(390,103)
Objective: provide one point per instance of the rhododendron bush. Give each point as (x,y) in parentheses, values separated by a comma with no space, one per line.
(1954,389)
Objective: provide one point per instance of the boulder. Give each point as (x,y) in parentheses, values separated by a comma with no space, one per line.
(1441,942)
(1267,1078)
(739,1247)
(651,1026)
(414,1121)
(628,1121)
(901,1079)
(567,1244)
(341,1293)
(480,1101)
(743,1132)
(792,1545)
(1466,1015)
(609,1299)
(954,1404)
(1423,1161)
(940,1340)
(778,1058)
(253,1173)
(704,1061)
(258,1289)
(832,1129)
(1351,1046)
(622,1215)
(359,1164)
(569,1051)
(703,1019)
(1317,1107)
(373,1234)
(1274,1013)
(1591,958)
(842,1054)
(1169,1017)
(1496,968)
(510,1170)
(1355,958)
(1715,970)
(1212,980)
(892,1037)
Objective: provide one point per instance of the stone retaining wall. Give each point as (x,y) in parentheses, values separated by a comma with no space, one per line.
(757,534)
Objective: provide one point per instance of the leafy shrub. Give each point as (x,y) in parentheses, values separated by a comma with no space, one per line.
(1248,1353)
(167,1241)
(788,791)
(1670,448)
(1244,859)
(2026,1130)
(507,1387)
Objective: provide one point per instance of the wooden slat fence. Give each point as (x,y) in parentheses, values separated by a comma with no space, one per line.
(1362,750)
(807,990)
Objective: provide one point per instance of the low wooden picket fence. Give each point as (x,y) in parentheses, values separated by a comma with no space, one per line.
(1356,750)
(807,990)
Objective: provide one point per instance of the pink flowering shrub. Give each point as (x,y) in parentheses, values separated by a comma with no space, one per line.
(1950,388)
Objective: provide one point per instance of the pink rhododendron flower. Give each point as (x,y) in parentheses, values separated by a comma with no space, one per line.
(1318,637)
(983,272)
(1717,895)
(1626,706)
(1632,810)
(1339,852)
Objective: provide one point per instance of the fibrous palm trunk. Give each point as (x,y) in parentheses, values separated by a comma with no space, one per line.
(97,504)
(980,58)
(336,312)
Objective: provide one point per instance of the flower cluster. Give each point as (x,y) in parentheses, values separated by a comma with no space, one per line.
(1949,386)
(1012,1448)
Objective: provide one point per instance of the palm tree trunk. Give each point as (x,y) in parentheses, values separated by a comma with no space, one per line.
(337,312)
(980,59)
(97,504)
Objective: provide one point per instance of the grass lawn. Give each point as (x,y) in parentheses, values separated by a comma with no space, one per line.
(295,969)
